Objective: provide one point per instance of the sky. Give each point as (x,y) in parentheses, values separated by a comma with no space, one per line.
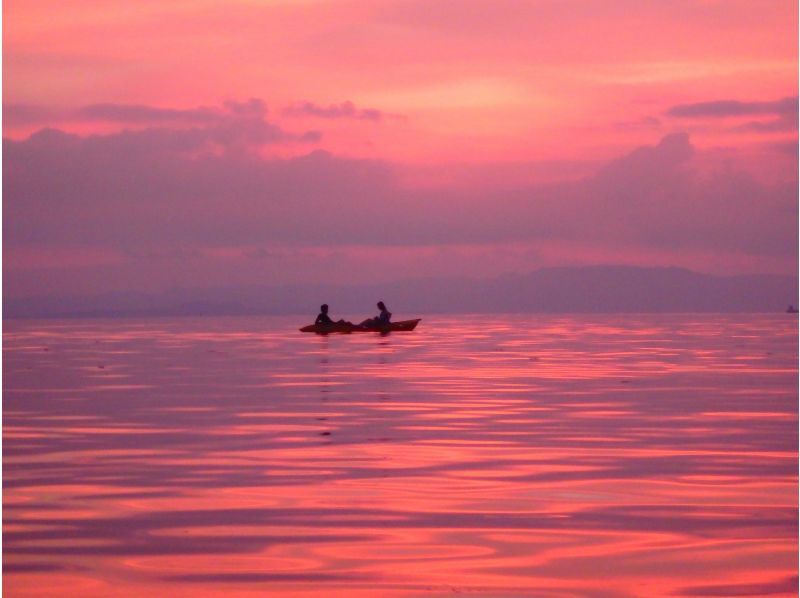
(174,143)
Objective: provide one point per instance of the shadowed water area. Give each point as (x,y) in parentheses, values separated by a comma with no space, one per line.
(625,455)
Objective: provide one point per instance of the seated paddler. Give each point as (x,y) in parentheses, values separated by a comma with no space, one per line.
(383,318)
(325,320)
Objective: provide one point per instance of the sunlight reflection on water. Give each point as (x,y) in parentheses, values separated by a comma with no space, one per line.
(506,455)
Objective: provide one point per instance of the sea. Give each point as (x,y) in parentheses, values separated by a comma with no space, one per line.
(632,455)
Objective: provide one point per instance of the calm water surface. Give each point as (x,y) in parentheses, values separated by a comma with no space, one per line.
(510,456)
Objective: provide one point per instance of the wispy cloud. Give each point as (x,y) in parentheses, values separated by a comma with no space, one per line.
(143,114)
(179,128)
(734,108)
(778,116)
(343,110)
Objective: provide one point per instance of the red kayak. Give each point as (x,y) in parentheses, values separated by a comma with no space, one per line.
(404,326)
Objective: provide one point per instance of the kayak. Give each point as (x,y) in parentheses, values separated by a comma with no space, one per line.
(404,326)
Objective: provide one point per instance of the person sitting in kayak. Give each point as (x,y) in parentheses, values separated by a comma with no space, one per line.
(382,319)
(324,319)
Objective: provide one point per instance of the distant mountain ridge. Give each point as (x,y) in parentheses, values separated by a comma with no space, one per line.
(587,289)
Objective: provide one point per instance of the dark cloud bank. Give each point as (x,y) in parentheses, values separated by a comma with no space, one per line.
(194,178)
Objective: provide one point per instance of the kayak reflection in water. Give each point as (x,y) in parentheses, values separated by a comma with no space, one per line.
(382,319)
(325,319)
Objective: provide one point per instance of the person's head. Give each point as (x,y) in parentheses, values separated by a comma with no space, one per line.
(324,308)
(381,306)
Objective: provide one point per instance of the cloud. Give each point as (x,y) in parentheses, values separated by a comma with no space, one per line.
(653,197)
(30,114)
(226,124)
(167,190)
(343,110)
(165,186)
(142,114)
(784,111)
(251,113)
(138,144)
(788,123)
(132,113)
(734,108)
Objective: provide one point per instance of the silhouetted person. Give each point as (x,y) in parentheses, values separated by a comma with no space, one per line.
(382,319)
(324,319)
(384,316)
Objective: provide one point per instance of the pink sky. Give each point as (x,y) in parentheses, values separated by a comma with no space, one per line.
(330,139)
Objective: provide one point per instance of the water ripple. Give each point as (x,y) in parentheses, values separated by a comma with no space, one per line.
(567,456)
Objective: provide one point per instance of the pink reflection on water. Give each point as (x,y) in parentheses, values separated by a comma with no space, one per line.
(637,456)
